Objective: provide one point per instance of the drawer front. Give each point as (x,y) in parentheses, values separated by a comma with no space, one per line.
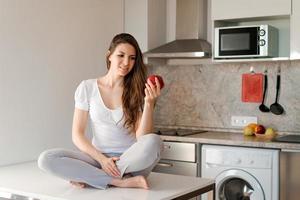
(179,151)
(175,167)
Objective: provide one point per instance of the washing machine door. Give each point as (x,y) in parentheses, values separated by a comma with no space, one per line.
(237,184)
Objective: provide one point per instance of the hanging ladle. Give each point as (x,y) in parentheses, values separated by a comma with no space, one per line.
(263,107)
(276,108)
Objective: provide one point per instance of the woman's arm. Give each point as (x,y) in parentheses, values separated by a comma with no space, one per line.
(145,122)
(79,139)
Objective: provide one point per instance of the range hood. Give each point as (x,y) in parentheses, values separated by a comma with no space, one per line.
(191,32)
(184,48)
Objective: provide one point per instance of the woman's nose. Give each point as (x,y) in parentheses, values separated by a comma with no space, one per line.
(126,61)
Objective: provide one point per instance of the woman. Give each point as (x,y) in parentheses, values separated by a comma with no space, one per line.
(119,107)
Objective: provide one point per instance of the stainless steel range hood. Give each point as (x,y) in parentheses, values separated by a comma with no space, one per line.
(185,48)
(191,32)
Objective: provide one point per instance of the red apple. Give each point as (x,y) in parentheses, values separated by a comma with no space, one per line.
(259,129)
(152,79)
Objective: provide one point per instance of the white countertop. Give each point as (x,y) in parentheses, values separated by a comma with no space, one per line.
(28,180)
(233,139)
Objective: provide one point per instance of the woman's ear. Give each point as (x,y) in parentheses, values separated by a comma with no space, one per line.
(108,55)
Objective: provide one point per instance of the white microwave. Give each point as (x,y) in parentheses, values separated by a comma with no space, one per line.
(254,41)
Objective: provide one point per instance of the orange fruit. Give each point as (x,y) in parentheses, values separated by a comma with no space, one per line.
(252,125)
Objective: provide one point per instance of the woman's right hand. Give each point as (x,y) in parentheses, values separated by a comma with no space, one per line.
(152,92)
(109,166)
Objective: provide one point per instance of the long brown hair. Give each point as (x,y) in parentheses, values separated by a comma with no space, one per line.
(134,81)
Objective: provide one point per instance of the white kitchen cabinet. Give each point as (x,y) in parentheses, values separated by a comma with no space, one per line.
(146,21)
(295,31)
(236,9)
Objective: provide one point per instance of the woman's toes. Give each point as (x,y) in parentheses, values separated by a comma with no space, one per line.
(77,184)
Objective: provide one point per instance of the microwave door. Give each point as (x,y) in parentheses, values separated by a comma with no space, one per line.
(238,42)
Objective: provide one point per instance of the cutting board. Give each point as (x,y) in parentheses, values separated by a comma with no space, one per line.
(252,87)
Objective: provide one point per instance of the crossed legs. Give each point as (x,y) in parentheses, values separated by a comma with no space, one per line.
(78,167)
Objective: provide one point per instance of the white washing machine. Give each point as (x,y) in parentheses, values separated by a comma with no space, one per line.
(242,173)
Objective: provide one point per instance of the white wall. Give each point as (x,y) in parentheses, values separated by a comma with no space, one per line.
(136,21)
(46,48)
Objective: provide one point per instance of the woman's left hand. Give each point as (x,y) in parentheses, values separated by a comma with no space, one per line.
(152,92)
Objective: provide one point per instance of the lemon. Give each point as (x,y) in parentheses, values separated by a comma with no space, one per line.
(248,130)
(270,132)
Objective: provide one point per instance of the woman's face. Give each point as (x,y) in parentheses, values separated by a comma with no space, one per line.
(122,59)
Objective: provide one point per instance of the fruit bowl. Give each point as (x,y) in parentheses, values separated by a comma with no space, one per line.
(265,136)
(260,135)
(259,131)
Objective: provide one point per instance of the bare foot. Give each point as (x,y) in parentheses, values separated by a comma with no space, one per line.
(78,184)
(132,182)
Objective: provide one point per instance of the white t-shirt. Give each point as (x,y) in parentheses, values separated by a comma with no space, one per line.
(109,134)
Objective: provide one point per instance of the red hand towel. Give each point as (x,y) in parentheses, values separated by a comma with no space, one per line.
(252,87)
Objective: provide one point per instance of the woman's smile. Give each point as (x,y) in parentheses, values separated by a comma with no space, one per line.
(124,69)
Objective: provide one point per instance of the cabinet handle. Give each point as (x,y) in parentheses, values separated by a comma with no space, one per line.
(165,164)
(167,146)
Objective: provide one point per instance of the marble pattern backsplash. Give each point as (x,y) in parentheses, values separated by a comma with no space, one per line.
(207,95)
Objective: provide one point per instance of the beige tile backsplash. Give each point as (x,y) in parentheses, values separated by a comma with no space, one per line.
(207,95)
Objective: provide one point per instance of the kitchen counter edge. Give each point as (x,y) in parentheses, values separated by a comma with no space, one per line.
(233,139)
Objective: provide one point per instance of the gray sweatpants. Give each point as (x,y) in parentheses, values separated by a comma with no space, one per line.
(77,166)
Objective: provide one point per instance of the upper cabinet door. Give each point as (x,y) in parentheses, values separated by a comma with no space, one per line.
(295,30)
(146,21)
(236,9)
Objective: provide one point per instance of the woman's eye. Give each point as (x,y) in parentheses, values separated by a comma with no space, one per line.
(132,58)
(121,55)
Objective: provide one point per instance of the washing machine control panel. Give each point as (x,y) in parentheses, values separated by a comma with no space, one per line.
(247,157)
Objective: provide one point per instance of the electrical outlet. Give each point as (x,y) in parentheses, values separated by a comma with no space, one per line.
(242,121)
